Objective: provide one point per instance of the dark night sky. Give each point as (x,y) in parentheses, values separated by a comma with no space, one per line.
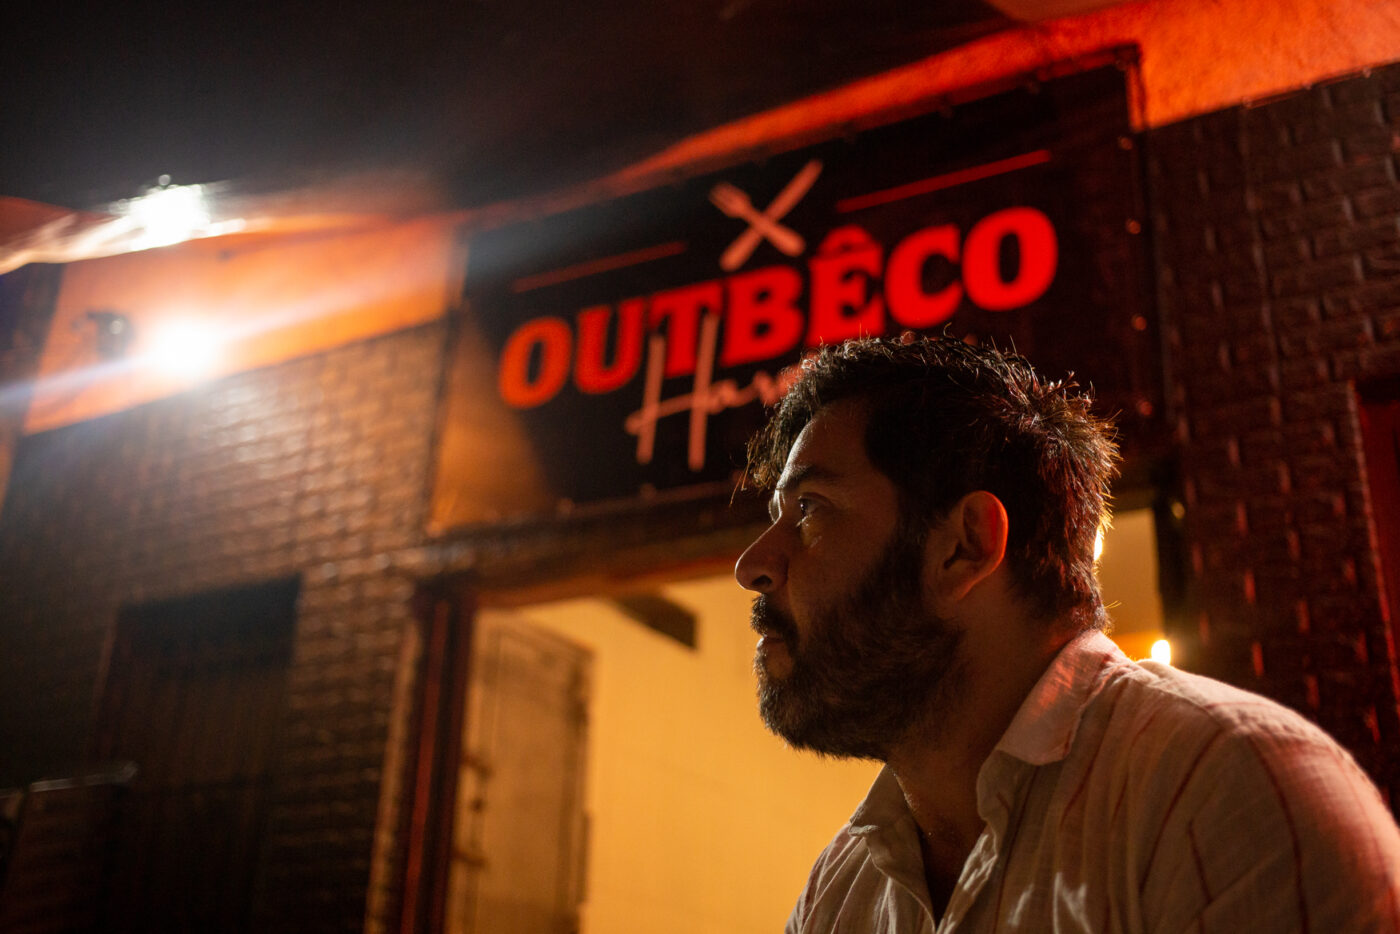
(491,98)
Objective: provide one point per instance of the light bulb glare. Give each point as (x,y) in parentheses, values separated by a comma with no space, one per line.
(1162,652)
(166,216)
(187,349)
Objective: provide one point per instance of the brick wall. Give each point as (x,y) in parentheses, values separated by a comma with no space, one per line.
(1277,246)
(316,468)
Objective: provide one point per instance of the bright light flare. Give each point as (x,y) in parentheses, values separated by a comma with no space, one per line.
(185,348)
(1162,652)
(168,215)
(1098,545)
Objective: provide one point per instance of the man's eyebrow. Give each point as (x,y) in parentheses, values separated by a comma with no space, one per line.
(803,474)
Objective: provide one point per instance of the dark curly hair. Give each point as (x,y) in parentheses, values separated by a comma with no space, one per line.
(946,418)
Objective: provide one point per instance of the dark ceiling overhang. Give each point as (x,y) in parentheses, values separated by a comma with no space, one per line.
(491,100)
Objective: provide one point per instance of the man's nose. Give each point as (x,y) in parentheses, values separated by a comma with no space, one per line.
(762,567)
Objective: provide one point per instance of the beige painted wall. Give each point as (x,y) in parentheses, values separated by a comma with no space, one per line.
(702,821)
(1127,574)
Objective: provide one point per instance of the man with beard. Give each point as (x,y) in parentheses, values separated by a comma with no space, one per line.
(926,598)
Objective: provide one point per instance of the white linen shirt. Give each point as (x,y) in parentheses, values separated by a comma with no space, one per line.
(1135,798)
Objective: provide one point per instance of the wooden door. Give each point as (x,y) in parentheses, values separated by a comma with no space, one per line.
(516,864)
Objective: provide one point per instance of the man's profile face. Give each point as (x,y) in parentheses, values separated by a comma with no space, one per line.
(849,656)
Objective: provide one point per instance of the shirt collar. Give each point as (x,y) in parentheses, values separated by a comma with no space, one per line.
(884,805)
(1041,732)
(1045,725)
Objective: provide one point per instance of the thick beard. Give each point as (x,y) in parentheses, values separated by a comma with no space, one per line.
(868,670)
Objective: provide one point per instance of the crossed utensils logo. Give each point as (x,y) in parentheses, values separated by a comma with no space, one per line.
(763,225)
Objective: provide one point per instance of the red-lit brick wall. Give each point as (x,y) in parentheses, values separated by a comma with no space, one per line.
(316,468)
(1277,249)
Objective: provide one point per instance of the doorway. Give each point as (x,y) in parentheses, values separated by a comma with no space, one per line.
(697,818)
(194,697)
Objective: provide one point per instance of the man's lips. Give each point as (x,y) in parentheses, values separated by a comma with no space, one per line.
(773,656)
(776,636)
(770,622)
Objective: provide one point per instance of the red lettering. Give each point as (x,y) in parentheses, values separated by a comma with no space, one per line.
(683,308)
(552,337)
(909,304)
(841,273)
(763,320)
(590,373)
(761,317)
(1040,255)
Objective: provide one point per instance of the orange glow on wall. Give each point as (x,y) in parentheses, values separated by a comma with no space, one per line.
(1197,56)
(267,298)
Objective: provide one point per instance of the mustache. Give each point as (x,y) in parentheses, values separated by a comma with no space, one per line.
(765,618)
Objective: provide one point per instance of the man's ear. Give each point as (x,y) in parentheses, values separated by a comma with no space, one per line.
(966,548)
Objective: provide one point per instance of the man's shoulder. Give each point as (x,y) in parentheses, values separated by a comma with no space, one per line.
(1158,700)
(1186,741)
(1224,803)
(1093,689)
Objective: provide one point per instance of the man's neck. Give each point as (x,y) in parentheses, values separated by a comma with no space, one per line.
(937,763)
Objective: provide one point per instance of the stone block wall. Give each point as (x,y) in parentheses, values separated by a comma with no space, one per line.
(1276,241)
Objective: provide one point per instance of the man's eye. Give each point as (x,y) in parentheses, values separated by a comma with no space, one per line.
(805,507)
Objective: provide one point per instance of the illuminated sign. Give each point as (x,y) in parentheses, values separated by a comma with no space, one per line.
(633,344)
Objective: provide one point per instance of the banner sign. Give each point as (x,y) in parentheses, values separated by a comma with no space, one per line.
(632,345)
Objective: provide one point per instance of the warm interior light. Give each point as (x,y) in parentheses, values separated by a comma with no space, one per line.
(168,215)
(1098,544)
(1162,651)
(183,348)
